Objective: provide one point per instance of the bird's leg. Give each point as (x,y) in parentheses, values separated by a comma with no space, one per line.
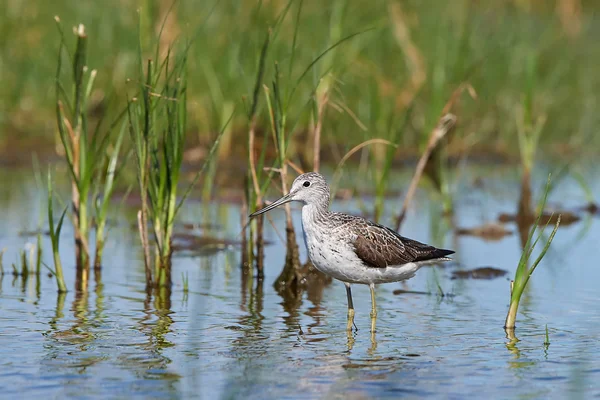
(350,309)
(373,307)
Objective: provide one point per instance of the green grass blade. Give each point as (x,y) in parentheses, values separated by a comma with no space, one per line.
(545,248)
(60,221)
(111,173)
(294,40)
(50,208)
(259,76)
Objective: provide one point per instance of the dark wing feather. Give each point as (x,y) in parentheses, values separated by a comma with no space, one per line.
(380,247)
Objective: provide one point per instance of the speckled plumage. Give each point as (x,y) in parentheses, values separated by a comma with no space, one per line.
(355,250)
(350,248)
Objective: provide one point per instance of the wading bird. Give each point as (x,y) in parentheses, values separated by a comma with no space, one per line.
(353,249)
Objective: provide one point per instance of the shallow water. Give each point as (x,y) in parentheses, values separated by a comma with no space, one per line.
(225,339)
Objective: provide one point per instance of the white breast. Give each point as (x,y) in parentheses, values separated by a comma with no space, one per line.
(334,255)
(327,253)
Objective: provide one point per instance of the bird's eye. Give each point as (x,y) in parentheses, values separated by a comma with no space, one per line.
(306,183)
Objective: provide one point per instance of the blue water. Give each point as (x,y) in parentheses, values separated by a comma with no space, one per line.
(226,339)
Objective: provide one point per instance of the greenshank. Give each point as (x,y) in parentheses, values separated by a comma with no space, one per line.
(350,248)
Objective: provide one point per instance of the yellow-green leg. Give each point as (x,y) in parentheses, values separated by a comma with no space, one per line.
(350,309)
(373,307)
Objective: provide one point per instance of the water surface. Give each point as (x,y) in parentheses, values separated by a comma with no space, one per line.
(227,338)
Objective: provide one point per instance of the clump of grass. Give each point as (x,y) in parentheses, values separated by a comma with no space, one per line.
(25,263)
(55,238)
(71,117)
(91,159)
(158,127)
(547,340)
(159,152)
(524,271)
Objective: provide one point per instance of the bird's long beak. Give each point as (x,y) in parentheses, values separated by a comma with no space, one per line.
(285,199)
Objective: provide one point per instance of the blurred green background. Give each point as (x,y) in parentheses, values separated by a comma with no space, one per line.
(526,60)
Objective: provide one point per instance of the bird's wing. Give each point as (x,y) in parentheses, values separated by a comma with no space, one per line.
(380,247)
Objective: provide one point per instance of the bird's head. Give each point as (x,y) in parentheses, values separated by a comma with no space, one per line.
(309,189)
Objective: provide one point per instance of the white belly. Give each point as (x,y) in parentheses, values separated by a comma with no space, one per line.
(337,259)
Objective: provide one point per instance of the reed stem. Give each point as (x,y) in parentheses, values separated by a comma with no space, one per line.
(524,271)
(55,238)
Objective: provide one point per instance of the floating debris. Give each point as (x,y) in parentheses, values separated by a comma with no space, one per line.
(193,226)
(402,291)
(547,218)
(490,231)
(479,273)
(201,245)
(34,233)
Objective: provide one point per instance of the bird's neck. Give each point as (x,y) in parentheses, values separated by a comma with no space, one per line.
(314,212)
